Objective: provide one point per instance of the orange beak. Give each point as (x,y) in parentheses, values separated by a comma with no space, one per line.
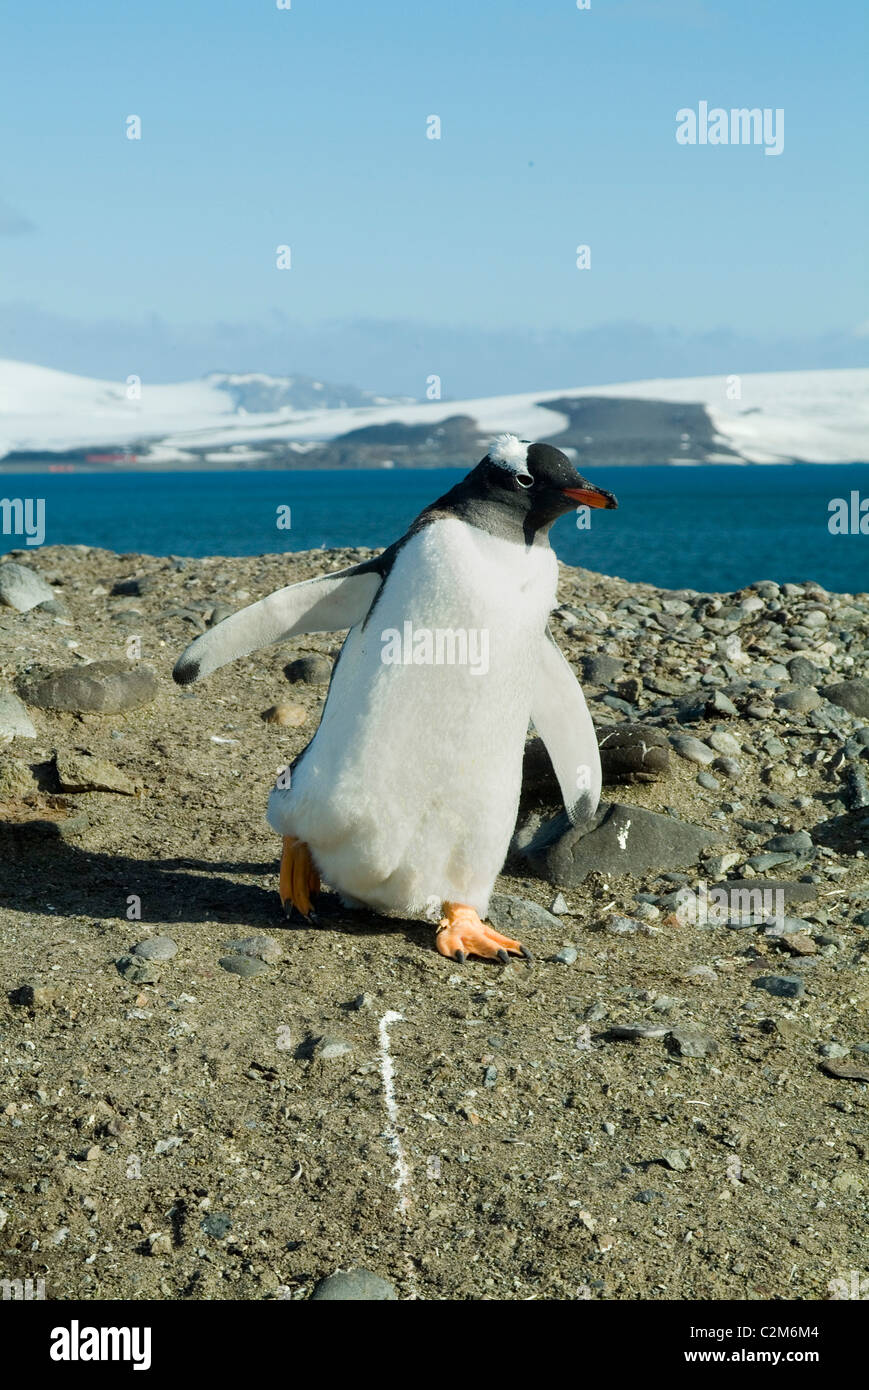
(591,496)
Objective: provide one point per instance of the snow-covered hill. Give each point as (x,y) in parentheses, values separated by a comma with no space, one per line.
(770,417)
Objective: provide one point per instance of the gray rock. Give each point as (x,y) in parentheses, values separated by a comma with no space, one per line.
(622,840)
(242,965)
(566,956)
(724,742)
(15,722)
(82,772)
(782,986)
(559,905)
(800,701)
(22,588)
(136,970)
(309,670)
(851,695)
(509,914)
(105,687)
(134,587)
(634,1031)
(720,704)
(706,780)
(328,1049)
(354,1285)
(690,1042)
(55,607)
(729,768)
(834,1050)
(601,670)
(633,753)
(677,1159)
(156,948)
(803,672)
(216,1224)
(258,947)
(797,842)
(692,749)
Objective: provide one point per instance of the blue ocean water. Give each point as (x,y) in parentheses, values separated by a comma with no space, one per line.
(707,527)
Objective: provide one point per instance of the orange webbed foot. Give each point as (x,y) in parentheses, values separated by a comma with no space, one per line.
(299,879)
(461,933)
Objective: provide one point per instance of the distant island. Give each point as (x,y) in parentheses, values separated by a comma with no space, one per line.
(53,421)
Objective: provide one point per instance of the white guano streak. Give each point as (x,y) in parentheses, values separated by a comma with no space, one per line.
(387,1072)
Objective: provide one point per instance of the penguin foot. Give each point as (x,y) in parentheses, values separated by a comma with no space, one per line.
(462,934)
(298,879)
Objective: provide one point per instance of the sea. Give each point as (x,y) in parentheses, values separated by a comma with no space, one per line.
(705,527)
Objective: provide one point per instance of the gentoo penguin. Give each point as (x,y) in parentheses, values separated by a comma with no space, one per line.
(406,798)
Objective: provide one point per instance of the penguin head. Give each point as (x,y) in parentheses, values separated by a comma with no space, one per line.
(538,481)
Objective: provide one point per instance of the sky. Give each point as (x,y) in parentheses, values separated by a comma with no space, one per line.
(306,127)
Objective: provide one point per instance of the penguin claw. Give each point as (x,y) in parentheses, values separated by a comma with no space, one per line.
(461,933)
(298,879)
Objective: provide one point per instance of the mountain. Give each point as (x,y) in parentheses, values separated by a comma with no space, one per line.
(254,420)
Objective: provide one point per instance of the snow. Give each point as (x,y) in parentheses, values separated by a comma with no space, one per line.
(819,416)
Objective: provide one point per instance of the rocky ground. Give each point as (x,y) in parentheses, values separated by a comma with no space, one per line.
(201,1101)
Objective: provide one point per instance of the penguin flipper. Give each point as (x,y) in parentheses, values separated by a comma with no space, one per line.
(560,716)
(327,603)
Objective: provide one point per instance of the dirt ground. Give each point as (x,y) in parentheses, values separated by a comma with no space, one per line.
(192,1136)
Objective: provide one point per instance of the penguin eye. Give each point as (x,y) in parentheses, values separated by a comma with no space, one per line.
(524,480)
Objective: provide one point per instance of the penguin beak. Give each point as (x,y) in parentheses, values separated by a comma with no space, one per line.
(590,496)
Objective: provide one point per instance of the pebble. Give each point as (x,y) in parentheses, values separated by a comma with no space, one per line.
(82,772)
(309,670)
(357,1285)
(559,905)
(137,586)
(156,948)
(601,670)
(216,1224)
(708,782)
(692,749)
(834,1050)
(507,913)
(679,1160)
(689,1042)
(329,1048)
(797,842)
(287,716)
(633,1031)
(729,767)
(782,986)
(15,722)
(566,956)
(800,701)
(242,965)
(136,970)
(22,588)
(724,742)
(257,947)
(103,687)
(850,695)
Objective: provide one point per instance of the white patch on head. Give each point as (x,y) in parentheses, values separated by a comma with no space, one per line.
(510,452)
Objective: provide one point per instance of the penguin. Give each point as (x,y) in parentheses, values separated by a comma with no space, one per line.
(406,798)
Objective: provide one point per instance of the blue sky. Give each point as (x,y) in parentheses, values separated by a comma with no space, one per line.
(307,127)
